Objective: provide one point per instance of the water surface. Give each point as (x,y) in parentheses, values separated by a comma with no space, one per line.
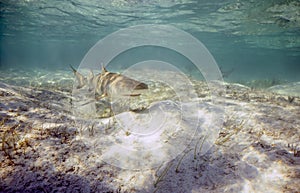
(250,40)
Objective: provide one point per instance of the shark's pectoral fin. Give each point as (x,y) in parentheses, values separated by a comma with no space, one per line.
(141,86)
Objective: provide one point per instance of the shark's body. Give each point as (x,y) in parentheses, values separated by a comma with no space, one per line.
(110,84)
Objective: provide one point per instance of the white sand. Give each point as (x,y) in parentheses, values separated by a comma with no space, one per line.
(251,141)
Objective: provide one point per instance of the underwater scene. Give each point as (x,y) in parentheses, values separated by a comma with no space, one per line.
(150,96)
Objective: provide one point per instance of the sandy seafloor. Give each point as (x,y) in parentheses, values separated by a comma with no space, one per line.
(45,148)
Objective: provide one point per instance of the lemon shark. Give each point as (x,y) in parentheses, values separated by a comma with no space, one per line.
(109,84)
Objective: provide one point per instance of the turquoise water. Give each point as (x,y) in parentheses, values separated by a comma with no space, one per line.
(250,40)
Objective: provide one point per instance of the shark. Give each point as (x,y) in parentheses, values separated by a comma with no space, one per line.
(108,84)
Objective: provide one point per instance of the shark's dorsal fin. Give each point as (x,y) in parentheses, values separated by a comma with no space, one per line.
(103,69)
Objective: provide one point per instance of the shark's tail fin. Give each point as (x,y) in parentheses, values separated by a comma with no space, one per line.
(80,78)
(73,69)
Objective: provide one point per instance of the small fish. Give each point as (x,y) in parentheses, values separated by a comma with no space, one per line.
(110,84)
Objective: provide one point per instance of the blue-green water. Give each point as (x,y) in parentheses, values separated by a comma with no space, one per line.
(251,39)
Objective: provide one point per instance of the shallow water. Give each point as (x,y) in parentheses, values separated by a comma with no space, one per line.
(250,40)
(206,136)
